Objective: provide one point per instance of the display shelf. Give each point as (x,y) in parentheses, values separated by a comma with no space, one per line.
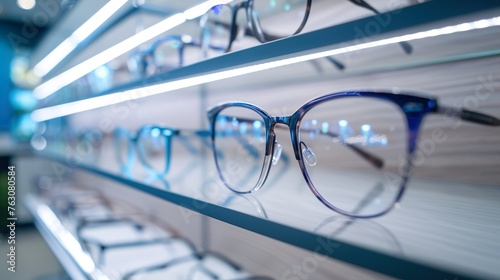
(77,264)
(442,230)
(405,20)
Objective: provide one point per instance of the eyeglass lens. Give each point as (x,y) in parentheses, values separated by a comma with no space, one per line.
(166,55)
(356,161)
(153,145)
(280,18)
(240,136)
(123,148)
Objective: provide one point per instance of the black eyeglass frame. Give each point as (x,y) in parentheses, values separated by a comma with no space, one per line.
(253,23)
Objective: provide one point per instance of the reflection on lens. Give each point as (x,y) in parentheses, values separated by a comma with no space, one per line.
(360,158)
(279,17)
(153,144)
(240,141)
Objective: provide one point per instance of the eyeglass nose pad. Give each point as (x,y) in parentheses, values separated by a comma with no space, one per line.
(308,154)
(277,153)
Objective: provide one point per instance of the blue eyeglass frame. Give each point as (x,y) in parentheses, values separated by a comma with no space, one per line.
(255,30)
(414,107)
(146,56)
(253,24)
(167,132)
(132,137)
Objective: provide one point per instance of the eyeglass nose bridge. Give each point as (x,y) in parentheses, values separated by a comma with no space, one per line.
(289,121)
(282,120)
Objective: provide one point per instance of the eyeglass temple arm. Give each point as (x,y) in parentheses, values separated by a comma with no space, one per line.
(373,159)
(408,49)
(339,65)
(269,37)
(469,116)
(203,134)
(187,144)
(206,133)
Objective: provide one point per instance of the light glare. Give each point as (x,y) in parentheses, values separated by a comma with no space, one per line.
(26,4)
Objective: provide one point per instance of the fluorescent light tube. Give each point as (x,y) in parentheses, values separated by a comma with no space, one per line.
(51,86)
(51,60)
(203,8)
(56,83)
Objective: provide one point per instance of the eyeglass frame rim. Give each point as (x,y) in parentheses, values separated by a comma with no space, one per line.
(257,32)
(414,119)
(133,137)
(149,51)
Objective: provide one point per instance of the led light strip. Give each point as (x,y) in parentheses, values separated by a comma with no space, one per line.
(66,239)
(132,94)
(50,61)
(56,83)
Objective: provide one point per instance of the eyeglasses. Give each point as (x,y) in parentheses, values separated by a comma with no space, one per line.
(214,30)
(354,149)
(153,145)
(264,22)
(149,143)
(220,28)
(167,53)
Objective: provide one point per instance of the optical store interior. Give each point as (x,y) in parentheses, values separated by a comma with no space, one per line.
(250,139)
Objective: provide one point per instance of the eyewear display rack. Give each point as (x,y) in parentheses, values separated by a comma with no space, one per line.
(420,247)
